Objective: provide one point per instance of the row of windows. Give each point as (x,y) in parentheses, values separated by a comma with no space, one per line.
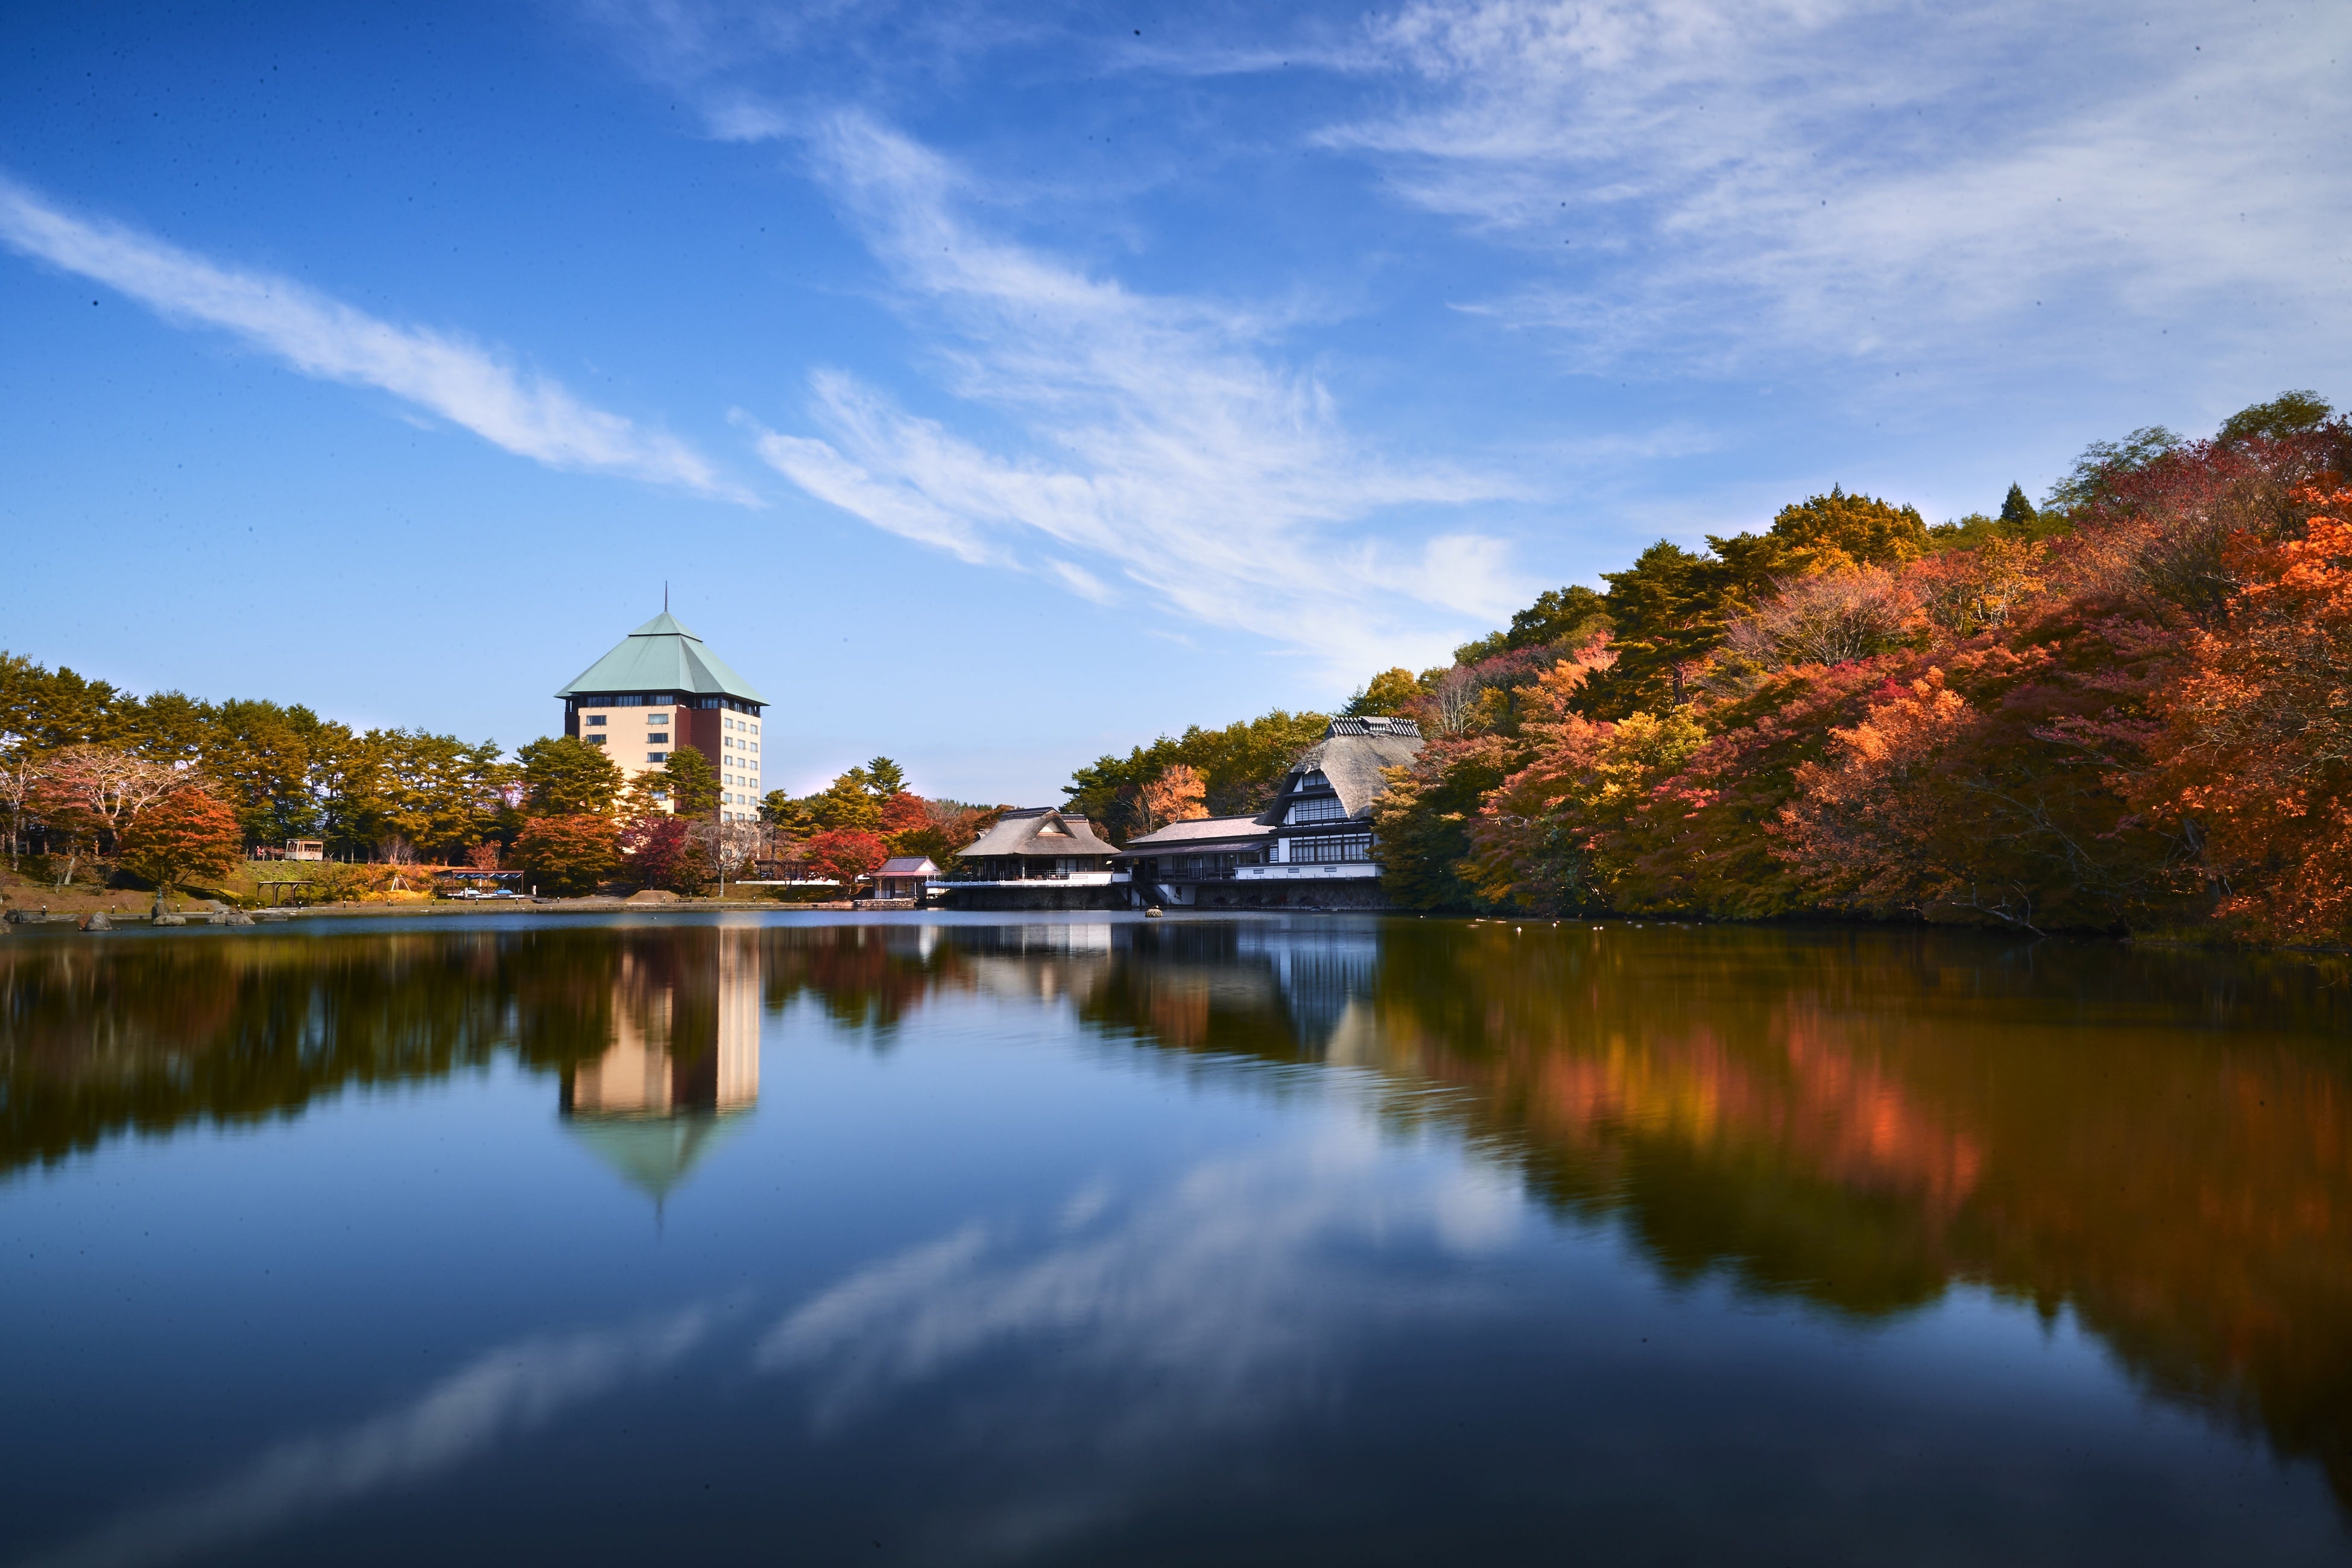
(1324,851)
(664,699)
(1318,809)
(596,721)
(1196,865)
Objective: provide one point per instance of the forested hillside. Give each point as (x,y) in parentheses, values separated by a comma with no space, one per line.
(2128,708)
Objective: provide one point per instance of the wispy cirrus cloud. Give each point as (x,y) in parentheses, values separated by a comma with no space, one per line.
(463,382)
(1124,1372)
(1722,179)
(512,1389)
(1156,442)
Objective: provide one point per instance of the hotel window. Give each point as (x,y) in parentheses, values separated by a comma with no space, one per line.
(596,718)
(595,740)
(657,718)
(656,756)
(661,739)
(1324,851)
(1318,809)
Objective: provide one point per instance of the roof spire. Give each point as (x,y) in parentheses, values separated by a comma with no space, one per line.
(665,596)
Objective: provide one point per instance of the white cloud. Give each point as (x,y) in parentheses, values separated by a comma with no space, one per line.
(464,383)
(1865,176)
(1141,1374)
(512,1389)
(1159,443)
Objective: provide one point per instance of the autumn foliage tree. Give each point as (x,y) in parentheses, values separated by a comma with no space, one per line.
(900,813)
(1176,796)
(664,851)
(568,855)
(2255,759)
(1239,766)
(2123,709)
(1828,617)
(190,832)
(86,795)
(949,827)
(843,853)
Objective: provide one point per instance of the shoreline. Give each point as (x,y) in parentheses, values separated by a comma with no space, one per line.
(16,917)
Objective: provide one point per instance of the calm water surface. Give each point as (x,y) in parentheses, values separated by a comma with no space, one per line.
(1258,1241)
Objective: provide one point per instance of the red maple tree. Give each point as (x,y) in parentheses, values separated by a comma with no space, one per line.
(843,853)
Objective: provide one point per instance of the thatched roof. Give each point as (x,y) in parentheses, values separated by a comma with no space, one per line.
(1200,833)
(1351,755)
(1039,831)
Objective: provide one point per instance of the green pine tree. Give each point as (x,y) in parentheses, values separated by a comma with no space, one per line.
(2017,513)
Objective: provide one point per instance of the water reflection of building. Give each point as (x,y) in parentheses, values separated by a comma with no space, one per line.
(1046,961)
(1298,989)
(1321,968)
(684,1062)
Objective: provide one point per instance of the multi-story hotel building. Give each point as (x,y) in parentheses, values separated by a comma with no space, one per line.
(661,688)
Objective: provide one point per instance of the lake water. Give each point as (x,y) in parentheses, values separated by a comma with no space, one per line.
(915,1240)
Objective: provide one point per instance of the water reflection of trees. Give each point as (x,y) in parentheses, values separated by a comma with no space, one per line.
(2161,1142)
(2157,1140)
(98,1039)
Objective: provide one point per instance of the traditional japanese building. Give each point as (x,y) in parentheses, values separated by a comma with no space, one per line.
(1176,857)
(1040,844)
(1312,846)
(905,876)
(661,688)
(1322,816)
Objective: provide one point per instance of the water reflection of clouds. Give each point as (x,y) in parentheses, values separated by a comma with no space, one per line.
(510,1391)
(1118,1344)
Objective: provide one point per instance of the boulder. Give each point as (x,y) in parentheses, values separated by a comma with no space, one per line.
(171,920)
(96,920)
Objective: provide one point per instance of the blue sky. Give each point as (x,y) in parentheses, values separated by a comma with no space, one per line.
(999,385)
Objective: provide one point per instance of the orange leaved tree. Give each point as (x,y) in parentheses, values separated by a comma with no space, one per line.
(2256,759)
(1176,796)
(187,833)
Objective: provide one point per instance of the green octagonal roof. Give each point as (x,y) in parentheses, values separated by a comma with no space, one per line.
(662,656)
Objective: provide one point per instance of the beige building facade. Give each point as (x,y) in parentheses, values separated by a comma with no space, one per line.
(661,688)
